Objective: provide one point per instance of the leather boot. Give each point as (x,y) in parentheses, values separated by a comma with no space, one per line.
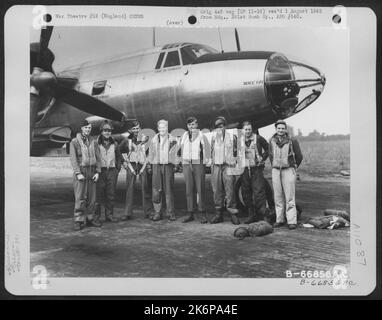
(171,217)
(157,217)
(78,225)
(189,218)
(111,218)
(94,223)
(234,219)
(203,218)
(278,224)
(217,218)
(251,217)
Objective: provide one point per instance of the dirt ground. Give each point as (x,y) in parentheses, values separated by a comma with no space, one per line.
(143,248)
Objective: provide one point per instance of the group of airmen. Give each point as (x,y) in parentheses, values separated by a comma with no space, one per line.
(97,161)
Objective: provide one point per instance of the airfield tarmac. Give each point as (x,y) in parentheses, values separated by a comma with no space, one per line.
(143,248)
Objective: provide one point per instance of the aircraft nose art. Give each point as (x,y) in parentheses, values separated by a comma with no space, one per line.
(291,86)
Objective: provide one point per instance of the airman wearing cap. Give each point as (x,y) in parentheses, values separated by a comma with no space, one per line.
(223,157)
(195,153)
(85,161)
(285,156)
(111,159)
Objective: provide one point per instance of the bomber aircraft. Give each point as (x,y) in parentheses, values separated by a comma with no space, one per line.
(172,81)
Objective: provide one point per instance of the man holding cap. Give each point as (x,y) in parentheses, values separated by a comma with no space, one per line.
(111,159)
(195,152)
(84,157)
(223,157)
(134,150)
(285,156)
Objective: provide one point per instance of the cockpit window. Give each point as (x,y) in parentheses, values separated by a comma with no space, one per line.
(160,60)
(172,59)
(192,52)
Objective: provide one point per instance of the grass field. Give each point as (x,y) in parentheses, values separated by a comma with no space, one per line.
(320,158)
(325,157)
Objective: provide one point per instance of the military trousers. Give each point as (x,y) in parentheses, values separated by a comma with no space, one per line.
(106,187)
(163,187)
(146,190)
(253,191)
(194,177)
(284,183)
(85,195)
(223,186)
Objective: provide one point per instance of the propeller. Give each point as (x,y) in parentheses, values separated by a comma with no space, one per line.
(42,76)
(237,40)
(45,59)
(86,103)
(44,82)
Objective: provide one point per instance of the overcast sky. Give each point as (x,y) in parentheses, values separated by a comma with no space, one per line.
(323,48)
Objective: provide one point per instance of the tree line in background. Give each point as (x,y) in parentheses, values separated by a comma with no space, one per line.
(316,135)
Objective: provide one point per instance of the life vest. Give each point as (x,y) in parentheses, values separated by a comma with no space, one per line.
(87,155)
(280,155)
(251,156)
(107,156)
(164,151)
(222,150)
(191,150)
(137,152)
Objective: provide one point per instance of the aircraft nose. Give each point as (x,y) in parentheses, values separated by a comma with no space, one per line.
(291,86)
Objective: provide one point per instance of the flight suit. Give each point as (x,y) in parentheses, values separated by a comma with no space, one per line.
(110,159)
(134,152)
(223,156)
(252,182)
(84,158)
(163,156)
(195,152)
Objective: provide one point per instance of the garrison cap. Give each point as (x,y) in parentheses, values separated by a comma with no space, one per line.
(280,122)
(191,119)
(134,123)
(84,123)
(219,121)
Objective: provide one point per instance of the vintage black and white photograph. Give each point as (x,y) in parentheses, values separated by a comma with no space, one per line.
(153,151)
(192,153)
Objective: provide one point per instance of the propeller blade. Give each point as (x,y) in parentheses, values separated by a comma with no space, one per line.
(67,82)
(42,75)
(45,35)
(35,102)
(237,40)
(88,104)
(45,57)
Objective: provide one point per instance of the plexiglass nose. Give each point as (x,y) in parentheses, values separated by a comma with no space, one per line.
(291,86)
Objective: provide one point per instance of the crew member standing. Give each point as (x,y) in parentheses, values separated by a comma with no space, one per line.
(111,159)
(84,157)
(223,157)
(252,182)
(134,151)
(285,156)
(195,153)
(163,158)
